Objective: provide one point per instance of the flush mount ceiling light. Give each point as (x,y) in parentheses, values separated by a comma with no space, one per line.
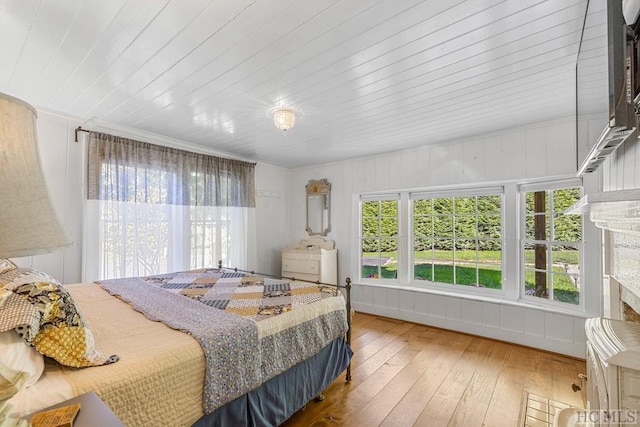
(284,119)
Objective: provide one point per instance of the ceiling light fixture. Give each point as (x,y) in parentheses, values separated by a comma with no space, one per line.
(284,119)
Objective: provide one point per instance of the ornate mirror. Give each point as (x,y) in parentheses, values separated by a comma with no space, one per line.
(318,207)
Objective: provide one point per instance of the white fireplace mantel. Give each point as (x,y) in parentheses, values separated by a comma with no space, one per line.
(617,211)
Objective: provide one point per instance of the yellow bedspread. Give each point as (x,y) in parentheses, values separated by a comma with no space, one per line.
(159,378)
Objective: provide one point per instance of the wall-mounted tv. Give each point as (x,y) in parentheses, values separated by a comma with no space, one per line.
(606,84)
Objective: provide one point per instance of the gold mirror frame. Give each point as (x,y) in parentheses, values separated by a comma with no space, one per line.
(318,207)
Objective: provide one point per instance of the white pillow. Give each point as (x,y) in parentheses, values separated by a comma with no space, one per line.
(16,354)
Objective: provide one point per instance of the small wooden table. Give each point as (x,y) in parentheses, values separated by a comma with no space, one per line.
(93,412)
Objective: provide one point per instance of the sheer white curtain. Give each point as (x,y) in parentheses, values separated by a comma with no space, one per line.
(153,209)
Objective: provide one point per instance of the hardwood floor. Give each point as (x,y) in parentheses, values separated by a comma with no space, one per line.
(405,374)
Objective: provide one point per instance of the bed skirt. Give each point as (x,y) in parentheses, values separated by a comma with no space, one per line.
(279,398)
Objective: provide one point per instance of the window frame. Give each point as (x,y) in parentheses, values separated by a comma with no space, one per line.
(379,198)
(512,230)
(406,257)
(457,193)
(523,189)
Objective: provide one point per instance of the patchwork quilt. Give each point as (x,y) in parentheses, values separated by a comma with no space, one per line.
(247,295)
(249,327)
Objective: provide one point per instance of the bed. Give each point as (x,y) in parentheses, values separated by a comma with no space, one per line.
(240,363)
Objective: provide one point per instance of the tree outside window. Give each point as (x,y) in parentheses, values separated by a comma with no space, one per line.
(552,245)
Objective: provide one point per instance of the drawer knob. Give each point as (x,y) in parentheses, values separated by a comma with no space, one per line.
(575,387)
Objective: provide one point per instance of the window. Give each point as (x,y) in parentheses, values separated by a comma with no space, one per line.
(452,238)
(153,209)
(551,244)
(458,239)
(379,238)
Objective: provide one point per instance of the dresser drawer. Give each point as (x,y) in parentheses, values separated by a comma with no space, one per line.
(301,276)
(309,255)
(301,266)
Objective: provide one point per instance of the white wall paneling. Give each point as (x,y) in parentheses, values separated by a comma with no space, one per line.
(437,306)
(514,323)
(511,318)
(395,164)
(393,298)
(272,215)
(560,155)
(406,301)
(490,315)
(423,168)
(534,323)
(440,170)
(513,162)
(473,161)
(536,151)
(382,172)
(628,165)
(421,303)
(558,327)
(492,159)
(471,311)
(453,308)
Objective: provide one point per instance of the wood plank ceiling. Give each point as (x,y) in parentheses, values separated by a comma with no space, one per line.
(366,76)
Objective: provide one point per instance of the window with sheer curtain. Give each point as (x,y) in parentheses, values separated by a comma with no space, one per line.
(153,209)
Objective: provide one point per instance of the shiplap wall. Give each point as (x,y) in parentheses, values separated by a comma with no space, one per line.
(63,167)
(622,168)
(534,152)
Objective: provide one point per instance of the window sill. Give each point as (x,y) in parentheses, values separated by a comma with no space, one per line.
(483,295)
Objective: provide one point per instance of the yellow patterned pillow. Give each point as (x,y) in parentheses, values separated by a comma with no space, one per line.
(62,333)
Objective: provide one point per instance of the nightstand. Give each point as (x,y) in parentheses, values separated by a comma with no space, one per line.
(93,412)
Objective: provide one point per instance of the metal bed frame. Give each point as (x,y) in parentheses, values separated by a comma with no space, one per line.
(346,287)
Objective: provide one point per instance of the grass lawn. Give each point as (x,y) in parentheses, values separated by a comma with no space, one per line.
(487,256)
(564,289)
(491,278)
(569,257)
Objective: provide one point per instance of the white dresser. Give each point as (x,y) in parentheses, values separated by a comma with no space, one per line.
(314,259)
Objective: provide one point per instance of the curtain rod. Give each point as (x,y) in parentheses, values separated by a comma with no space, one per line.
(79,129)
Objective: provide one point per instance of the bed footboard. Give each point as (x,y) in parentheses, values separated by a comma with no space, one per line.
(338,288)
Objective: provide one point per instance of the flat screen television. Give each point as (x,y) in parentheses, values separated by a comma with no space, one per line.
(606,83)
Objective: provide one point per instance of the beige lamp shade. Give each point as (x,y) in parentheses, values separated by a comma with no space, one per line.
(28,223)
